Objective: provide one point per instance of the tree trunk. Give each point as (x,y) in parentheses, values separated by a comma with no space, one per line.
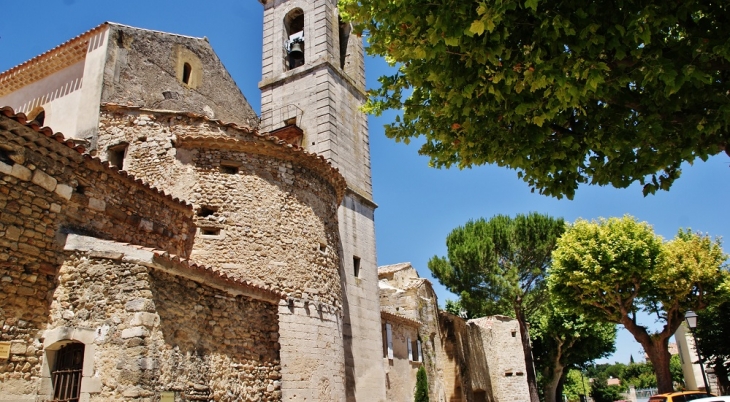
(553,375)
(551,387)
(527,349)
(721,373)
(657,348)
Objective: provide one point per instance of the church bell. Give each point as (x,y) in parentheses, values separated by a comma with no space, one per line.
(296,52)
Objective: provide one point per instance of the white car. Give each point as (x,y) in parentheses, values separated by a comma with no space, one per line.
(725,398)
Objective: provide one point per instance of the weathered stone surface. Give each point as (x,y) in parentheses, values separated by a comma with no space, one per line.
(479,359)
(21,172)
(152,62)
(44,180)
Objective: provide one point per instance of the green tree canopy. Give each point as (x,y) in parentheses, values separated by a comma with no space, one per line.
(562,339)
(569,92)
(610,269)
(576,384)
(501,263)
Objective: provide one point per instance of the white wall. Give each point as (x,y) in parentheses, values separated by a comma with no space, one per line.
(70,97)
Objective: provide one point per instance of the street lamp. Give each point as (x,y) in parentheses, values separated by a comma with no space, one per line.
(691,318)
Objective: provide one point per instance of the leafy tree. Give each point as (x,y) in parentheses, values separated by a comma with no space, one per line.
(562,339)
(640,375)
(576,384)
(610,269)
(421,386)
(500,263)
(600,92)
(602,392)
(675,367)
(713,327)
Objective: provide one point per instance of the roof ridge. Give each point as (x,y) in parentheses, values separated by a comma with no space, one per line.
(156,31)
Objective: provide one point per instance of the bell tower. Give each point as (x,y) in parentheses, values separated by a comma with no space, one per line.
(314,79)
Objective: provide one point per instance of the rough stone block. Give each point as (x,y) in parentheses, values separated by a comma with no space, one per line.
(65,191)
(18,347)
(135,332)
(140,305)
(13,233)
(42,179)
(91,384)
(5,168)
(21,172)
(97,204)
(148,320)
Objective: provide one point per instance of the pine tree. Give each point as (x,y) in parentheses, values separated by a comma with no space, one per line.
(421,385)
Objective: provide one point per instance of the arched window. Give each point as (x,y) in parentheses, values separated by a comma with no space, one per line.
(187,70)
(67,371)
(294,31)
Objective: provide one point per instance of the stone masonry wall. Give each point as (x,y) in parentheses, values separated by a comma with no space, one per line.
(400,372)
(47,188)
(275,218)
(266,212)
(144,69)
(159,332)
(499,338)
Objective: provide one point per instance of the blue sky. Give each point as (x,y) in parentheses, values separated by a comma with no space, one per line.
(418,206)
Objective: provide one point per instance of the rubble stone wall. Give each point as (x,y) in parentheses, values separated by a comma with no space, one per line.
(147,331)
(271,218)
(144,68)
(498,338)
(47,188)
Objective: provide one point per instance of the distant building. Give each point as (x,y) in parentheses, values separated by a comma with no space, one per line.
(475,360)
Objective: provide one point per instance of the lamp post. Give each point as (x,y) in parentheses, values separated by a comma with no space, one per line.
(691,318)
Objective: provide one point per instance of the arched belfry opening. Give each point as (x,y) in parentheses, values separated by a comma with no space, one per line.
(345,29)
(294,31)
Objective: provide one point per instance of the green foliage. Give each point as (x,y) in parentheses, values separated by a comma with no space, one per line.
(675,366)
(601,92)
(562,339)
(453,307)
(421,386)
(576,385)
(640,375)
(713,327)
(499,265)
(602,392)
(610,269)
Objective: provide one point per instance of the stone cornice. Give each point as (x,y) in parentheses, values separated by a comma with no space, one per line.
(318,64)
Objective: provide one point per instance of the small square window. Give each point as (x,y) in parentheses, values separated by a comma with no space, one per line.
(210,231)
(116,154)
(229,169)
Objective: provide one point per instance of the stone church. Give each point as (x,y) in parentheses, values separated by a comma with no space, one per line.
(159,241)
